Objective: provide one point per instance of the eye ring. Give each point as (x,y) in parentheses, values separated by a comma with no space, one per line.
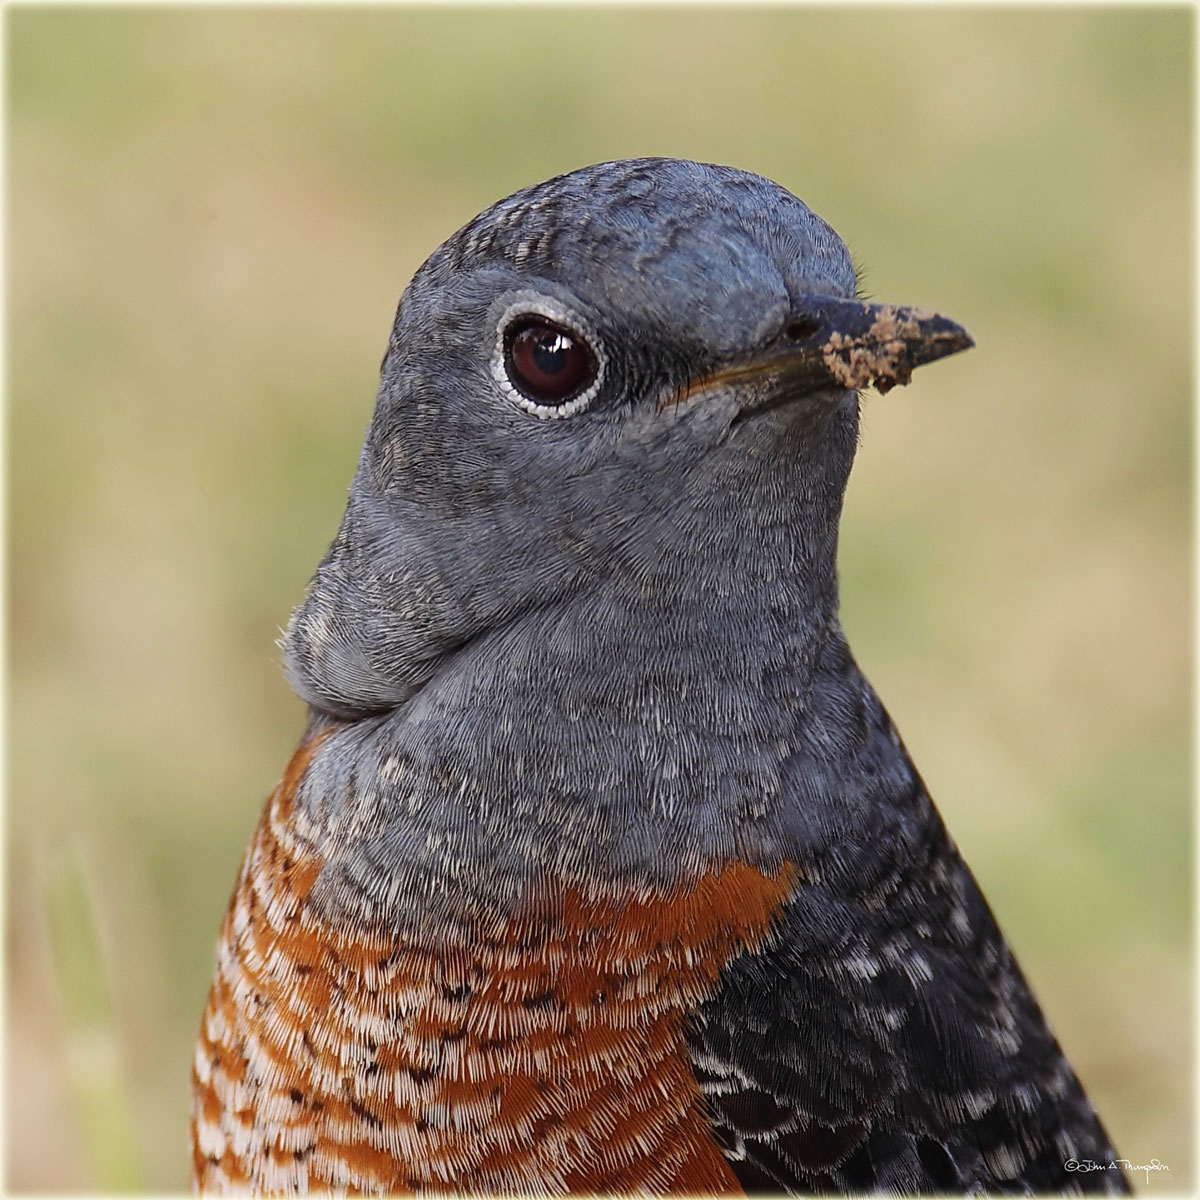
(546,358)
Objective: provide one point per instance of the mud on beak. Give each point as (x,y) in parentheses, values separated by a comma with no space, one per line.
(831,345)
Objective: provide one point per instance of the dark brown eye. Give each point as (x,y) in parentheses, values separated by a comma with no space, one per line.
(546,363)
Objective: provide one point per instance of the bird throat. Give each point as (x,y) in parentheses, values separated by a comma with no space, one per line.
(636,732)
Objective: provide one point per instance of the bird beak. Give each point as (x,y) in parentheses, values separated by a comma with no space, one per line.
(830,345)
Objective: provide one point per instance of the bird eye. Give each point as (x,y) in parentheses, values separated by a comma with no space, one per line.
(546,363)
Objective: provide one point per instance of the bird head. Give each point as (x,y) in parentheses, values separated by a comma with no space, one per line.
(582,380)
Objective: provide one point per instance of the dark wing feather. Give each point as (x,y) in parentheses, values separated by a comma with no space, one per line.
(885,1040)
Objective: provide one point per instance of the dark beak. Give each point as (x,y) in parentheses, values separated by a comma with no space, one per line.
(830,345)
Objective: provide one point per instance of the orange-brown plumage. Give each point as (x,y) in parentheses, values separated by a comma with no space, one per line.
(549,1057)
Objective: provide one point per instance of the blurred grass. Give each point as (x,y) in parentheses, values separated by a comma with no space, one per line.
(91,1058)
(212,214)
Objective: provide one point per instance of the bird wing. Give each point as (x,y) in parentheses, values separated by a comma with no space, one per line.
(884,1039)
(918,1074)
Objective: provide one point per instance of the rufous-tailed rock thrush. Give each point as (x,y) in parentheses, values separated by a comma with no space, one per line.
(600,866)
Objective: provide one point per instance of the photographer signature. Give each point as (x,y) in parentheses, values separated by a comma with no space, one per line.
(1090,1164)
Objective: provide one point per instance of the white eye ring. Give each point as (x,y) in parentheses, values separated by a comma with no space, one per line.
(535,304)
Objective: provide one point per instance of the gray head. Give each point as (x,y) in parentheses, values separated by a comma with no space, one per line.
(603,373)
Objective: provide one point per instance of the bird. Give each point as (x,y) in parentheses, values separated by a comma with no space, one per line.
(600,867)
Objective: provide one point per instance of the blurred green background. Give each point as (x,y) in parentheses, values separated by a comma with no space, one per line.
(212,214)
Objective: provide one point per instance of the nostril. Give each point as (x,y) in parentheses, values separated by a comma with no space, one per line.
(801,328)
